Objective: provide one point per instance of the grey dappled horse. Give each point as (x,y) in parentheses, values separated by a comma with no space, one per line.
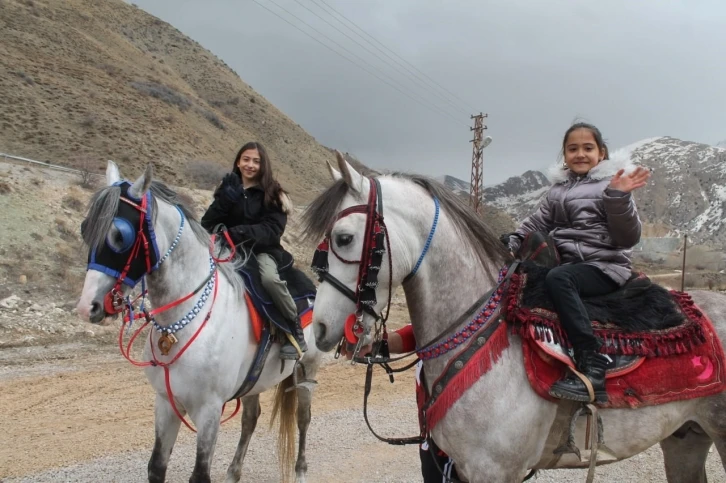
(499,427)
(216,363)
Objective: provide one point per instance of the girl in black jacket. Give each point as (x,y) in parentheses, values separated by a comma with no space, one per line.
(253,207)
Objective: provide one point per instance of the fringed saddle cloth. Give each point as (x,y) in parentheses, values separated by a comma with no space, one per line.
(664,347)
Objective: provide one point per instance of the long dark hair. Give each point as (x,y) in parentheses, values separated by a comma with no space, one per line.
(268,183)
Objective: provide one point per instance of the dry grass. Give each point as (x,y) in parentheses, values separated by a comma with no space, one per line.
(111,97)
(73,202)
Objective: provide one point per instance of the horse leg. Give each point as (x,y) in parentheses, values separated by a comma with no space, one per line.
(251,411)
(207,420)
(303,422)
(166,429)
(685,453)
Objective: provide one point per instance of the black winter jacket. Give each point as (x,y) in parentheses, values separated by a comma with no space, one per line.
(250,223)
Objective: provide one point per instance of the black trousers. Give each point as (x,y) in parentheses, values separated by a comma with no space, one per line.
(565,285)
(429,471)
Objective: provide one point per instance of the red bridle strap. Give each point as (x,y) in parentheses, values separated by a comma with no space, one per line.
(154,362)
(112,301)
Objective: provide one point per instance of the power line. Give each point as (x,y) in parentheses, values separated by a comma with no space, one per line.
(435,108)
(394,53)
(396,65)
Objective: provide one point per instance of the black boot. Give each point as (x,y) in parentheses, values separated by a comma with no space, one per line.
(592,365)
(288,351)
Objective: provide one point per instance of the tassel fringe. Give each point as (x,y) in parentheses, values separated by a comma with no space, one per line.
(480,363)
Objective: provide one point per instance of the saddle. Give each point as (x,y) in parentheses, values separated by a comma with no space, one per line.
(301,288)
(662,346)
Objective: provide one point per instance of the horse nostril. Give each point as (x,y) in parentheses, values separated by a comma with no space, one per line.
(319,332)
(97,313)
(95,308)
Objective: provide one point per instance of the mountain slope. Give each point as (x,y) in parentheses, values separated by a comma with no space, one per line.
(83,81)
(518,195)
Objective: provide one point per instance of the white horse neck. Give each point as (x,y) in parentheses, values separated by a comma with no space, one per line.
(450,278)
(183,271)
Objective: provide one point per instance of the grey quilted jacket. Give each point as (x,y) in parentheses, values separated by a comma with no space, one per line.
(589,222)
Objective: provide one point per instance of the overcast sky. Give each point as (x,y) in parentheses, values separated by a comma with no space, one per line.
(636,69)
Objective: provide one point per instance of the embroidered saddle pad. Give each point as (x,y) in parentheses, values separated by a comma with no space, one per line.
(301,288)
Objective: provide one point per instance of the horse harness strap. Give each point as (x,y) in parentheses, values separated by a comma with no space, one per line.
(459,362)
(466,315)
(366,393)
(375,243)
(481,337)
(114,302)
(253,375)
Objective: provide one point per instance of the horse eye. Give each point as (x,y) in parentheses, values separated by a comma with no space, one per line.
(343,240)
(122,236)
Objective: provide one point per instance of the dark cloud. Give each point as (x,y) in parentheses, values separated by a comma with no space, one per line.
(636,69)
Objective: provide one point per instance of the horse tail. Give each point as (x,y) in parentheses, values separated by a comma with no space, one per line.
(286,406)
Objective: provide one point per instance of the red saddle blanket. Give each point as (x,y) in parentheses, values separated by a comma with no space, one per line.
(306,318)
(689,371)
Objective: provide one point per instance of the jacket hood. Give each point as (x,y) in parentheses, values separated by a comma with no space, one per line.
(619,159)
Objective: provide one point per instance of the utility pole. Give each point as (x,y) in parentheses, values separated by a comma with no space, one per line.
(477,186)
(683,267)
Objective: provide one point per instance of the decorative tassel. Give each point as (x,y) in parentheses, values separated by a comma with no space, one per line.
(480,363)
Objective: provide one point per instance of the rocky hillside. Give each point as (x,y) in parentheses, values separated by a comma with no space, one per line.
(83,81)
(686,194)
(42,258)
(518,195)
(457,185)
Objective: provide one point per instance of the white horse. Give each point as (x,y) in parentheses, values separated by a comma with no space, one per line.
(127,228)
(500,427)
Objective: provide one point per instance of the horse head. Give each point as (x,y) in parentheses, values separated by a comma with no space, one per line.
(355,260)
(122,248)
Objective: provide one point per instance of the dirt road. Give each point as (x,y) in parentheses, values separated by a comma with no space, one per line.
(79,412)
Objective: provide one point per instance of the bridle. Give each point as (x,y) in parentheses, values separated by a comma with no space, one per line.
(375,243)
(365,299)
(143,260)
(113,301)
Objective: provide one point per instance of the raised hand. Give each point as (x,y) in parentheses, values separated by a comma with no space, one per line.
(627,183)
(231,190)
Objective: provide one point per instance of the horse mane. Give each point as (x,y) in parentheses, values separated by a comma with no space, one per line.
(103,207)
(480,239)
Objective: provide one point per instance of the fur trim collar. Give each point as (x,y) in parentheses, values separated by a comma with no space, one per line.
(619,159)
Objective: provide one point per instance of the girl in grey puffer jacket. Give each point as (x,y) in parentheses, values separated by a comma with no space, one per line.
(591,215)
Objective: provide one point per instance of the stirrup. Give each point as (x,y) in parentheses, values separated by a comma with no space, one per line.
(294,343)
(594,439)
(593,396)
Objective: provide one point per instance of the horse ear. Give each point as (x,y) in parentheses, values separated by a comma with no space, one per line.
(351,177)
(141,185)
(334,173)
(113,175)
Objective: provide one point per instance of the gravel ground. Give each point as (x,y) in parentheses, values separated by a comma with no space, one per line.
(89,417)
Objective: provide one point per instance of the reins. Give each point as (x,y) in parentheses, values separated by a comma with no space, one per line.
(380,354)
(114,303)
